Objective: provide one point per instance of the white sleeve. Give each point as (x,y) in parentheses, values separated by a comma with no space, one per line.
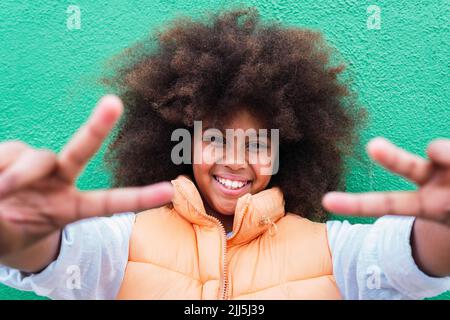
(376,262)
(90,265)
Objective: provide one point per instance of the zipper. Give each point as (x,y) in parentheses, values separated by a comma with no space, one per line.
(238,226)
(225,285)
(241,216)
(224,258)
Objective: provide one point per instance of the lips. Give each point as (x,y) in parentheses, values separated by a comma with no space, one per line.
(232,185)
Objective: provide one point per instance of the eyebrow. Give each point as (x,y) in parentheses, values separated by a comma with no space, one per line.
(268,140)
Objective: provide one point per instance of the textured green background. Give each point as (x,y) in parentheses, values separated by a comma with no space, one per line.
(48,73)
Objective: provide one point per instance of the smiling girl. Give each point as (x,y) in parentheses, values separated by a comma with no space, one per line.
(223,228)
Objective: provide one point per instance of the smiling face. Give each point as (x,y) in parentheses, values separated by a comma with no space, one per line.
(221,177)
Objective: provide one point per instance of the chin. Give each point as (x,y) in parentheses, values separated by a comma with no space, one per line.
(226,210)
(228,213)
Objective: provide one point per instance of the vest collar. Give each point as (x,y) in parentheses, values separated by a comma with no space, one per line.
(254,214)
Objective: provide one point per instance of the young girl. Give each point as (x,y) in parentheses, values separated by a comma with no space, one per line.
(224,229)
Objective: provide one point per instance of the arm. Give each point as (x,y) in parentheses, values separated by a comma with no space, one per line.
(375,261)
(38,195)
(430,237)
(430,243)
(36,257)
(90,264)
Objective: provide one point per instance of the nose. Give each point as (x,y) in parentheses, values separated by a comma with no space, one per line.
(235,160)
(235,166)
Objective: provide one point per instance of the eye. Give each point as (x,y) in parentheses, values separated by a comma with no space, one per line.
(256,146)
(214,139)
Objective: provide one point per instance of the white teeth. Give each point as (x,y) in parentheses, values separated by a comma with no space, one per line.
(230,184)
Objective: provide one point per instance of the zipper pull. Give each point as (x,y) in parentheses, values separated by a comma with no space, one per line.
(273,229)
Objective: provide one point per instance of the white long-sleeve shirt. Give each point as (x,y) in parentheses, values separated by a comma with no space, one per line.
(370,261)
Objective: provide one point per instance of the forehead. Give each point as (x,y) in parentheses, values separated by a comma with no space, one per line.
(237,118)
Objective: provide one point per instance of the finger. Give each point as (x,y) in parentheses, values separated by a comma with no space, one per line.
(399,161)
(9,152)
(107,202)
(439,151)
(30,166)
(89,138)
(374,204)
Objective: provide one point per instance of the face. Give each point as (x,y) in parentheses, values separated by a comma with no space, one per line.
(223,175)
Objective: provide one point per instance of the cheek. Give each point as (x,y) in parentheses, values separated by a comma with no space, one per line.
(261,180)
(203,167)
(264,165)
(201,171)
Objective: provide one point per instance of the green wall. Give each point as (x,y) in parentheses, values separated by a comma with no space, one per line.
(48,73)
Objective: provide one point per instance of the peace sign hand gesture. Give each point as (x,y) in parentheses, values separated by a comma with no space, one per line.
(37,187)
(432,199)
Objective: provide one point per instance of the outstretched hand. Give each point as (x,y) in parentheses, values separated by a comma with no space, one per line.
(37,187)
(432,176)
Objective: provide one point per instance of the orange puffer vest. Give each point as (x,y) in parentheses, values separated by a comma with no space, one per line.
(180,252)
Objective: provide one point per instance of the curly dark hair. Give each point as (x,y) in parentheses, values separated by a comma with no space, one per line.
(195,70)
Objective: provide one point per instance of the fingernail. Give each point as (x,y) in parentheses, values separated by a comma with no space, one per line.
(338,198)
(330,196)
(111,98)
(164,187)
(376,141)
(169,187)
